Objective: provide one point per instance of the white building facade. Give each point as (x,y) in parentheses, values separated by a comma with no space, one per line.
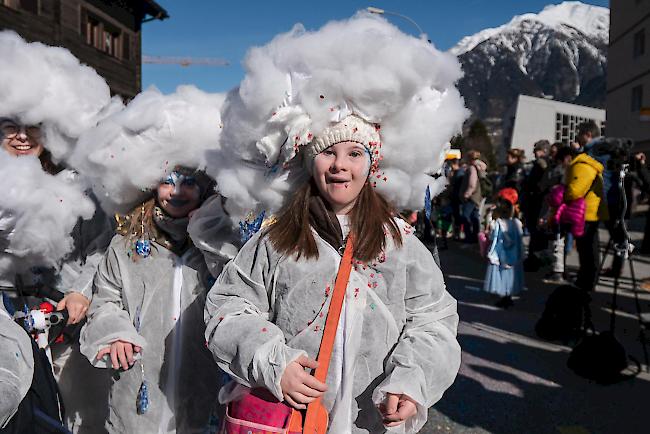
(534,119)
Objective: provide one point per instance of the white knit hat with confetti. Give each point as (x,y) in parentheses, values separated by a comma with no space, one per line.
(303,87)
(350,129)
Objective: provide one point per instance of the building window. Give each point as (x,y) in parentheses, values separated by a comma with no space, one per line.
(93,32)
(639,44)
(26,5)
(104,36)
(637,98)
(566,127)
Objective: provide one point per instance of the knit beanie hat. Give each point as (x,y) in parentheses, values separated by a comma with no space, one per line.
(509,194)
(350,129)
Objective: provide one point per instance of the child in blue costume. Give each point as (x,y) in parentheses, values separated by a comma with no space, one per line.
(505,273)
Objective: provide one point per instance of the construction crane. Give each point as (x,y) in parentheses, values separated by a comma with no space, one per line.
(185,61)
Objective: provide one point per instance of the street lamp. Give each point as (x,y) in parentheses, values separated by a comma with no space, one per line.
(374,10)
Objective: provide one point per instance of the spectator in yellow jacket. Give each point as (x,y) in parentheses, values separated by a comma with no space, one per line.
(584,179)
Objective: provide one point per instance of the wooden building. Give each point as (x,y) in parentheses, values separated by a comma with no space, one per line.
(104,34)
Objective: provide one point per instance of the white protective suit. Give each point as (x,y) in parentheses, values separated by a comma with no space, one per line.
(398,327)
(169,292)
(16,365)
(85,406)
(214,234)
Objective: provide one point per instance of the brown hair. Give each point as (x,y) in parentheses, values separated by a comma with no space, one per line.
(517,153)
(48,165)
(130,225)
(371,221)
(473,154)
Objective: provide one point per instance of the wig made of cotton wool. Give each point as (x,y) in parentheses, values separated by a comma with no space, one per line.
(302,81)
(47,86)
(129,152)
(38,213)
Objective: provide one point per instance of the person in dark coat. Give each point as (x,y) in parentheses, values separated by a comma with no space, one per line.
(533,198)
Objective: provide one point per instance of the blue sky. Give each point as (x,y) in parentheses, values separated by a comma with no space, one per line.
(226,29)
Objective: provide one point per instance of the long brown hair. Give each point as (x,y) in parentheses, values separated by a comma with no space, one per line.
(371,222)
(131,225)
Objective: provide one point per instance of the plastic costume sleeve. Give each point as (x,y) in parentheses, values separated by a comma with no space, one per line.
(213,233)
(244,342)
(108,320)
(16,366)
(426,359)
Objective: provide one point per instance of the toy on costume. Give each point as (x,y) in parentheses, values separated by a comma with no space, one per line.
(329,131)
(505,254)
(145,322)
(52,234)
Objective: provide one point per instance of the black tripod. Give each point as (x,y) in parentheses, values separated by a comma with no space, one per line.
(624,251)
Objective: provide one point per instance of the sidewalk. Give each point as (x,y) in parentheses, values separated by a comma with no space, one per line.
(512,382)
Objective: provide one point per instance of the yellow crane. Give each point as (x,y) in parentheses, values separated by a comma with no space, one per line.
(185,61)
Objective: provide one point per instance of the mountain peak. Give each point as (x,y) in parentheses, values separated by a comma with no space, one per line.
(590,20)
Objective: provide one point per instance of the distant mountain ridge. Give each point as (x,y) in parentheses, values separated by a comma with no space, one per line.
(560,53)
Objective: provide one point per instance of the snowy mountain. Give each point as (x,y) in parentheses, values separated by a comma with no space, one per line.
(560,53)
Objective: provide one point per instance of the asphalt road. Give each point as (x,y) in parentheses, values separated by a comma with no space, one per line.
(512,382)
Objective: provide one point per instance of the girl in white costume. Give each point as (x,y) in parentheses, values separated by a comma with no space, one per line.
(341,127)
(145,323)
(148,302)
(52,234)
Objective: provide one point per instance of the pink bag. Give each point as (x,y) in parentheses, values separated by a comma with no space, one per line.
(244,416)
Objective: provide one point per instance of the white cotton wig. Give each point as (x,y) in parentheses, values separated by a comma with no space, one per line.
(302,82)
(47,86)
(37,214)
(129,152)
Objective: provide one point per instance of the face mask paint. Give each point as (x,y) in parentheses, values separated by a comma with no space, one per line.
(177,179)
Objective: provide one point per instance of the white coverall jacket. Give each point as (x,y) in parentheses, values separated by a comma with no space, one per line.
(85,406)
(167,292)
(397,333)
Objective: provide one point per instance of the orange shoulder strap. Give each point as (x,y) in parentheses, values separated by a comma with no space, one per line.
(329,332)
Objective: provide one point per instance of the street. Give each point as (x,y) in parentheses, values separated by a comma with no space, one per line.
(510,381)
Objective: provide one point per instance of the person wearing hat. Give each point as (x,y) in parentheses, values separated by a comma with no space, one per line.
(504,275)
(532,202)
(53,233)
(145,321)
(395,290)
(341,140)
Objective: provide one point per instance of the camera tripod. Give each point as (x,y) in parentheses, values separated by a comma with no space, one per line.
(624,251)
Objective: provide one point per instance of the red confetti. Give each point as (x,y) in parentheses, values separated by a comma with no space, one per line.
(264,329)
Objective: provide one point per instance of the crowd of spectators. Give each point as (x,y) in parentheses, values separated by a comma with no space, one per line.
(566,192)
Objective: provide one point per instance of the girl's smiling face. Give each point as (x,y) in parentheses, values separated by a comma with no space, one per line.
(340,172)
(178,195)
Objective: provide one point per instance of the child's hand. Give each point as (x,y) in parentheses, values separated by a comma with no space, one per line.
(76,304)
(122,354)
(397,409)
(298,387)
